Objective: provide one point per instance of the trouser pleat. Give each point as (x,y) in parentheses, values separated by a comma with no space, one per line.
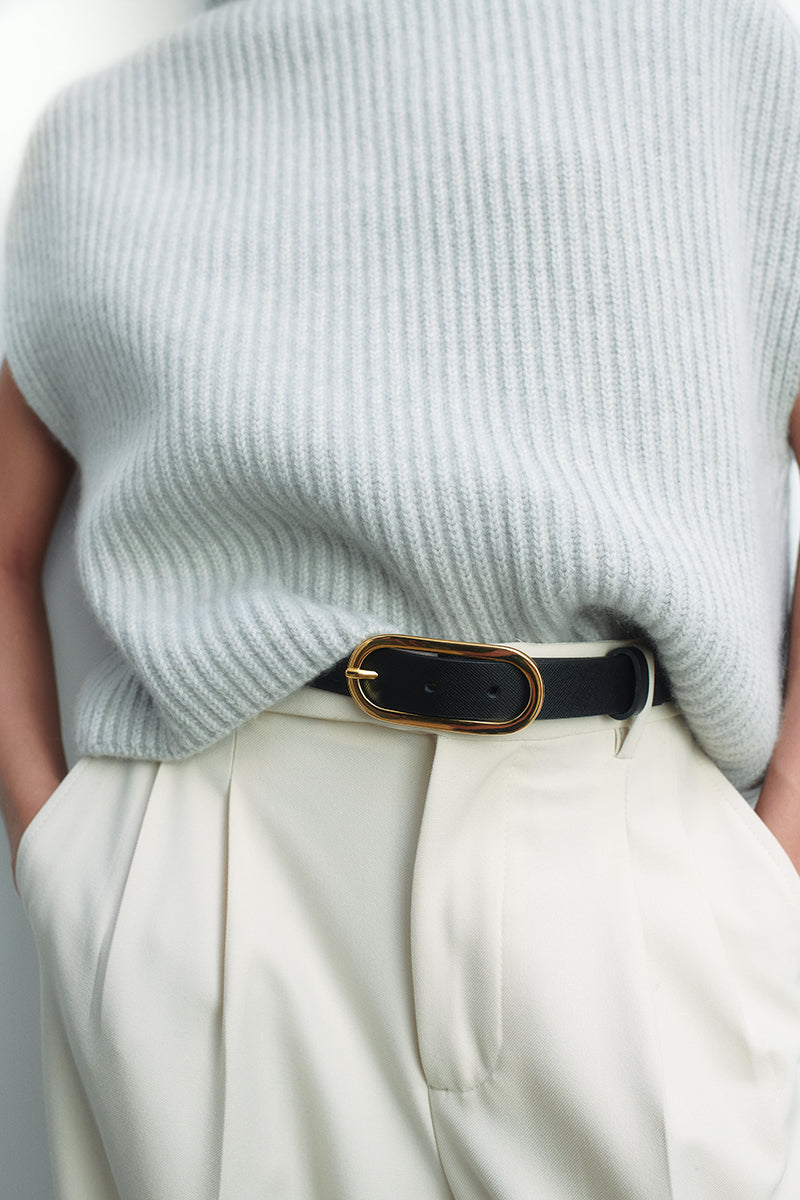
(323,1091)
(724,987)
(534,1007)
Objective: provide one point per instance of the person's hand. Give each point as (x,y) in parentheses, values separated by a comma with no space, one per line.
(779,809)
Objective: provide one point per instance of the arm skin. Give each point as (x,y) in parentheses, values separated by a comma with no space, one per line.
(35,472)
(779,802)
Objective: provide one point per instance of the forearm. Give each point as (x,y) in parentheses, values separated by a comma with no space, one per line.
(32,759)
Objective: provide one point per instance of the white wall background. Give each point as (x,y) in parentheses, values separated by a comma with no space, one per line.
(43,45)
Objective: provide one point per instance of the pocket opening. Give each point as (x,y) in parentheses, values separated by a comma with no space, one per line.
(41,818)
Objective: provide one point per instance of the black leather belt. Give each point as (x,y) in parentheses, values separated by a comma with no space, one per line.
(476,688)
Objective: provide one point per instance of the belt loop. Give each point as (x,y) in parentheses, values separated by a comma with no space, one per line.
(628,739)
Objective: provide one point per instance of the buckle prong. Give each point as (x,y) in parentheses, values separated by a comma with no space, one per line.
(358,673)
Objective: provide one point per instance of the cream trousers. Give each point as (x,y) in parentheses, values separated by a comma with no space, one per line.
(328,958)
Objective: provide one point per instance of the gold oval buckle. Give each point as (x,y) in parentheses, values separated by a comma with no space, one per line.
(357,674)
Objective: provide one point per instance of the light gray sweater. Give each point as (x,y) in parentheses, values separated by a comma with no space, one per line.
(476,319)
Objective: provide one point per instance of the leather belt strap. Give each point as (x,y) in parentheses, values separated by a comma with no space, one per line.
(432,687)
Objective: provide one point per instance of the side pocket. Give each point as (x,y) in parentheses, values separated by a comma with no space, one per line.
(41,819)
(69,855)
(781,866)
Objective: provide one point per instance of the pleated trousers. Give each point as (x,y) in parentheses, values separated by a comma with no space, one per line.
(330,958)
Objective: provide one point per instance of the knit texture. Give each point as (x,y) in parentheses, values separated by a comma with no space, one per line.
(461,319)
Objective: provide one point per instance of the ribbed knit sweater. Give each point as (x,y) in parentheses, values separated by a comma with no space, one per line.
(476,319)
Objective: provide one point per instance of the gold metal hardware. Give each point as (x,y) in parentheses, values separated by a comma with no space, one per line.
(355,674)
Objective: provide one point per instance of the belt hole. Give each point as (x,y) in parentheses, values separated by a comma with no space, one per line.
(430,686)
(494,690)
